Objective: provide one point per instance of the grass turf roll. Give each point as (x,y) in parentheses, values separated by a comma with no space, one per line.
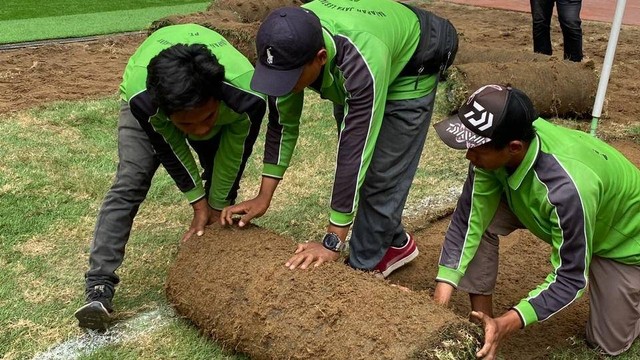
(233,285)
(557,88)
(470,53)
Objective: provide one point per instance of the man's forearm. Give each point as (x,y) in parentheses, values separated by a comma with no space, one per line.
(443,292)
(268,187)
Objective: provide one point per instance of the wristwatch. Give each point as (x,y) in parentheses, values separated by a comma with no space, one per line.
(332,242)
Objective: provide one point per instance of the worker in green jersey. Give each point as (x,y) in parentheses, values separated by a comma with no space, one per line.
(378,61)
(568,188)
(185,88)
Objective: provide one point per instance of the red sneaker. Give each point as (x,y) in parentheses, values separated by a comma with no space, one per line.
(397,257)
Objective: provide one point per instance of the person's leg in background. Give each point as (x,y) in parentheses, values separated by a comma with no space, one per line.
(541,13)
(569,17)
(614,312)
(136,168)
(479,280)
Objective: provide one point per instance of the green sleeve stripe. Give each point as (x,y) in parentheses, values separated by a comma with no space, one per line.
(448,275)
(527,313)
(273,170)
(235,141)
(246,90)
(341,219)
(469,248)
(218,205)
(195,177)
(282,137)
(195,194)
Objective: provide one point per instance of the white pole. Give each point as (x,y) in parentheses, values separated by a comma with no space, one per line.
(606,66)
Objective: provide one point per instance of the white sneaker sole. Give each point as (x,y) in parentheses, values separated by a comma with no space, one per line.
(401,263)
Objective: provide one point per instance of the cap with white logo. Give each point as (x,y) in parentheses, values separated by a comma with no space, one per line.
(482,113)
(288,38)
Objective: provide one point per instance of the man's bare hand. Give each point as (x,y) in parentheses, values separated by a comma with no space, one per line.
(201,212)
(249,210)
(312,253)
(214,216)
(253,208)
(495,331)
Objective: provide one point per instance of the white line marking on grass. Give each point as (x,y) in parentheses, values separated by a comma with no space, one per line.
(447,199)
(91,341)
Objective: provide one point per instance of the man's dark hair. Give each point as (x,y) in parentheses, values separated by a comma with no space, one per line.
(183,77)
(520,115)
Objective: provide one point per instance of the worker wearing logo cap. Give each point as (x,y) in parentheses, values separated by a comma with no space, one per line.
(571,190)
(354,54)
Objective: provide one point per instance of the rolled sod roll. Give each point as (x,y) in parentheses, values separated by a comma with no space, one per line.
(233,285)
(225,22)
(469,53)
(251,11)
(557,88)
(238,21)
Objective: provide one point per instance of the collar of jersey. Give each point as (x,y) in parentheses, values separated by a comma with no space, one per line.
(515,180)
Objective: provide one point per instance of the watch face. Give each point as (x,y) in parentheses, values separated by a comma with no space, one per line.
(331,242)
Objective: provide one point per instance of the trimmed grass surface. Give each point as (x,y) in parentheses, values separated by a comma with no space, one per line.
(29,9)
(58,163)
(86,24)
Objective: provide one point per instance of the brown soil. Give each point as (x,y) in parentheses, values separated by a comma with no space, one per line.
(34,76)
(524,263)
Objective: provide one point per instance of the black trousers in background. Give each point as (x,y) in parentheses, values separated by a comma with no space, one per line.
(570,23)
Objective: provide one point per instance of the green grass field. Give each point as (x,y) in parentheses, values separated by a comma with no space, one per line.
(30,20)
(31,9)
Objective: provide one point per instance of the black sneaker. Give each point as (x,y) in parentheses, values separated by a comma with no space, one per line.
(95,314)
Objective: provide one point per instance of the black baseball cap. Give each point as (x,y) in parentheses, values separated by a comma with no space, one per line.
(288,38)
(480,118)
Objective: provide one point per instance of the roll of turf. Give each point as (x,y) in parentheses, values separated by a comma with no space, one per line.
(557,88)
(233,285)
(470,53)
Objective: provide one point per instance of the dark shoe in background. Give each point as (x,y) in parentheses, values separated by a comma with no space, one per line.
(95,313)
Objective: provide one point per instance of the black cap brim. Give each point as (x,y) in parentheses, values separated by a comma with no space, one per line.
(453,133)
(274,82)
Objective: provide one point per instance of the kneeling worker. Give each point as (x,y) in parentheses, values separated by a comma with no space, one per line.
(568,188)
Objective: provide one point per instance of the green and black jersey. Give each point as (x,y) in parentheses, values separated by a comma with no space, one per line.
(573,191)
(239,116)
(368,45)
